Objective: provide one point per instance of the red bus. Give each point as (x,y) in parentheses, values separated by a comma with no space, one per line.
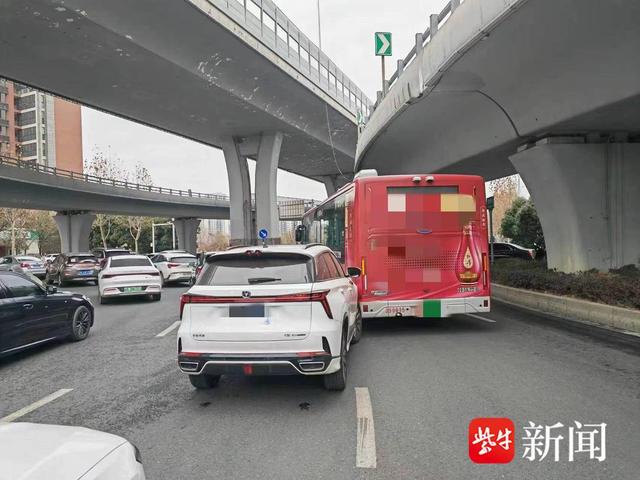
(420,242)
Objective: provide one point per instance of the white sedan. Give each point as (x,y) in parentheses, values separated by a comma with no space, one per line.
(38,452)
(129,275)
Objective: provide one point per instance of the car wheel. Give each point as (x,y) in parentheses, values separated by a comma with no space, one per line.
(103,300)
(357,334)
(338,380)
(157,297)
(61,282)
(204,382)
(80,323)
(162,280)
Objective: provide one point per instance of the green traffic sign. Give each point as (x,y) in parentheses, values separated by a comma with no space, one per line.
(383,44)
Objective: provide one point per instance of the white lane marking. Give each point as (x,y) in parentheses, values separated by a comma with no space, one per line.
(473,315)
(366,440)
(169,329)
(35,405)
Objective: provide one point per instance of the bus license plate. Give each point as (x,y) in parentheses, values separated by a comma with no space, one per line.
(407,311)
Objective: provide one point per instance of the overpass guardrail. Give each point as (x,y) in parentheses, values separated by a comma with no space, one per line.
(289,208)
(264,20)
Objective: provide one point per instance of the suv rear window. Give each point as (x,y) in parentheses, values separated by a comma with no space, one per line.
(265,269)
(131,262)
(82,259)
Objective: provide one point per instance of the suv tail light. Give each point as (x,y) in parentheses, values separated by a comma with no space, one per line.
(290,298)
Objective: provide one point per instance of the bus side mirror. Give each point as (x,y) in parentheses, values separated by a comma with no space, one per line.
(301,231)
(354,272)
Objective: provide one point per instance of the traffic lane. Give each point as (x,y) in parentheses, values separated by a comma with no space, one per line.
(430,378)
(120,350)
(254,428)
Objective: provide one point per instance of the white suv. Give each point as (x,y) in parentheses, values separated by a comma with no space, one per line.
(281,310)
(175,266)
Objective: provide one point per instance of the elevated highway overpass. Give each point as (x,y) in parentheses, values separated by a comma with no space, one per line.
(543,88)
(234,74)
(78,197)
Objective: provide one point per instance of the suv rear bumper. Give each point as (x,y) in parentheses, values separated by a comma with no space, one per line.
(258,364)
(428,308)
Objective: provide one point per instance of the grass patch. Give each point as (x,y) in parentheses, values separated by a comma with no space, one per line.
(620,287)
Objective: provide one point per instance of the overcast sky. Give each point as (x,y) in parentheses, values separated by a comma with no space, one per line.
(347,38)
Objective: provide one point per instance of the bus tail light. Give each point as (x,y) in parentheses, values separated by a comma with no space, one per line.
(485,269)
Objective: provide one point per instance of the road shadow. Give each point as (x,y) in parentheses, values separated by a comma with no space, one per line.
(31,352)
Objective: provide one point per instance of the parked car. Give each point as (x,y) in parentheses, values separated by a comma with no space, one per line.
(102,254)
(26,263)
(511,250)
(32,451)
(175,266)
(129,275)
(73,267)
(281,310)
(31,314)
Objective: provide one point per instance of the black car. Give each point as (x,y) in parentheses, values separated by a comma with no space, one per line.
(511,250)
(32,314)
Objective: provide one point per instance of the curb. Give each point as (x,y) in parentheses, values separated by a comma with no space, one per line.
(570,308)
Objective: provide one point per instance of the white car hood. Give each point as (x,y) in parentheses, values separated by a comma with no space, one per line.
(31,451)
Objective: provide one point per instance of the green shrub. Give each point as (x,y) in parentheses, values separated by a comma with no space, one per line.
(619,287)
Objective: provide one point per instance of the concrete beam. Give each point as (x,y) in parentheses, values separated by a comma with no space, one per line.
(187,233)
(240,214)
(267,185)
(330,184)
(74,229)
(587,198)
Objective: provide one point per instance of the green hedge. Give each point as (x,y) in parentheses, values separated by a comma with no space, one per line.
(617,287)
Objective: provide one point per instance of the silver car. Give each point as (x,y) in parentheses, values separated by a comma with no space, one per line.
(29,264)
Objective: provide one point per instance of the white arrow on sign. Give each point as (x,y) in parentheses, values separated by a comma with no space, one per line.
(384,44)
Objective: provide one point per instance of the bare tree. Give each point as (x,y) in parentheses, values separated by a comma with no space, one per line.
(104,166)
(16,221)
(505,191)
(142,176)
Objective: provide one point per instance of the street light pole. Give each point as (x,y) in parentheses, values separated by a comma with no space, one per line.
(319,28)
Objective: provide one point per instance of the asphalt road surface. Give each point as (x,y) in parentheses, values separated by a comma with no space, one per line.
(426,379)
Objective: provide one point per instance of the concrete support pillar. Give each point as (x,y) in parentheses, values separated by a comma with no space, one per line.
(588,200)
(241,216)
(330,184)
(74,229)
(266,185)
(187,234)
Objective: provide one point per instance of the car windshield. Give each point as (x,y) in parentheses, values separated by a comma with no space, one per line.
(251,270)
(130,262)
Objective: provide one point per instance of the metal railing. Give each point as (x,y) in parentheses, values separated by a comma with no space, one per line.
(289,208)
(111,182)
(263,19)
(436,21)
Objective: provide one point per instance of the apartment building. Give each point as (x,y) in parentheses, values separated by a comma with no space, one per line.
(40,128)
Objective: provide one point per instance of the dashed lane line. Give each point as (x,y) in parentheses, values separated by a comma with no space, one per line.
(169,329)
(366,439)
(35,405)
